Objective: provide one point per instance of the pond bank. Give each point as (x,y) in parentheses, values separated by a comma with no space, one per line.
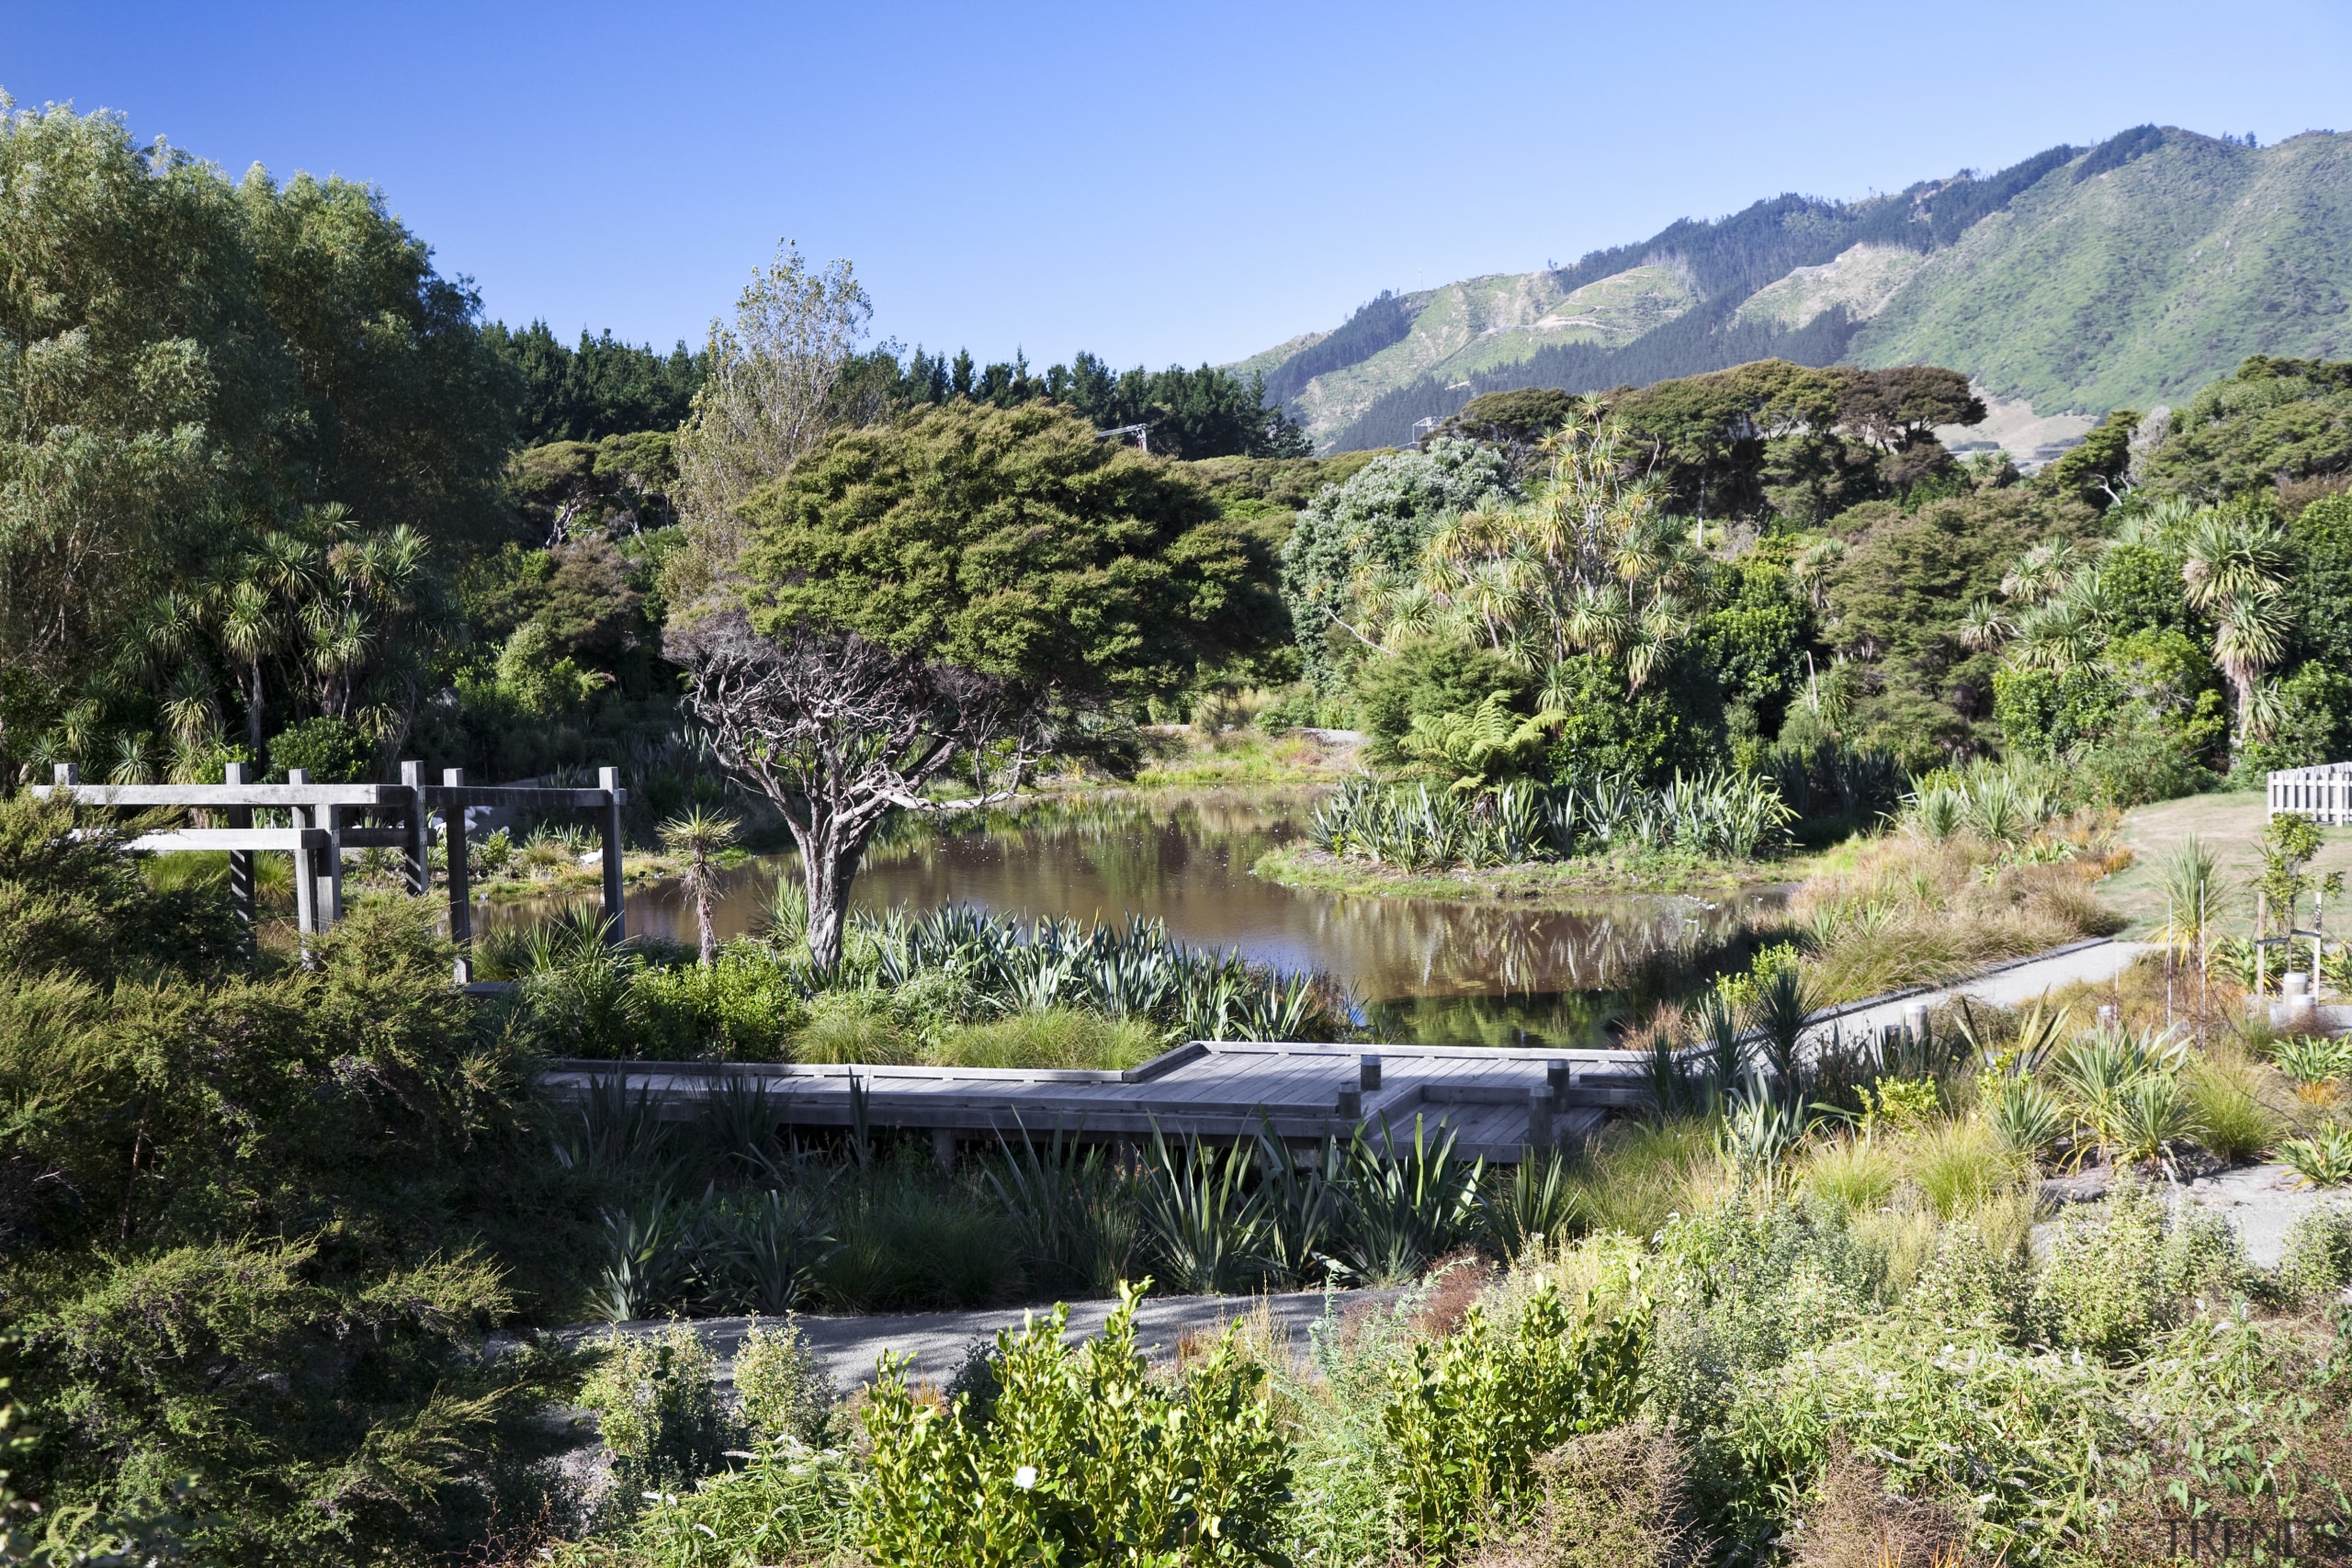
(1557,885)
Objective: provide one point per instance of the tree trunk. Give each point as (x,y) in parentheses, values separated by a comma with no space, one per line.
(253,709)
(701,912)
(826,868)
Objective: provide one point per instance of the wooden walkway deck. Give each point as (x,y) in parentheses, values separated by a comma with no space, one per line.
(1496,1101)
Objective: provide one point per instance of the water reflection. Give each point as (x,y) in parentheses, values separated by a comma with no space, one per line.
(1423,970)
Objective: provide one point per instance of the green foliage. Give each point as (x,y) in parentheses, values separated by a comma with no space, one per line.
(781,1388)
(331,751)
(1081,1457)
(1206,412)
(1428,680)
(311,1179)
(601,388)
(659,1411)
(2240,435)
(1012,543)
(1756,639)
(1736,814)
(2322,1157)
(2100,1291)
(787,1502)
(197,363)
(2090,472)
(1483,748)
(1481,1405)
(1670,725)
(1896,599)
(1371,525)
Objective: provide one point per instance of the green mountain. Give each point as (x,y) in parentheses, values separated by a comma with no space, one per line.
(2079,280)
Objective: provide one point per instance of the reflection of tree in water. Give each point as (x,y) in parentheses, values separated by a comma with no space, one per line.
(1433,948)
(1140,848)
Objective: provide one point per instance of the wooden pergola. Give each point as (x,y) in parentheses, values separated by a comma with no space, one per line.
(328,819)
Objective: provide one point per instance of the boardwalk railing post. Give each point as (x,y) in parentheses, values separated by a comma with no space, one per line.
(67,774)
(1349,1105)
(461,909)
(1539,1118)
(241,862)
(417,821)
(1557,1078)
(1368,1071)
(609,821)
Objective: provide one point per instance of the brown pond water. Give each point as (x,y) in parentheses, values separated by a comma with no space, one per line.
(1422,971)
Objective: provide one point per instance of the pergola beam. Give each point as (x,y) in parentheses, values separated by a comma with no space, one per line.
(320,834)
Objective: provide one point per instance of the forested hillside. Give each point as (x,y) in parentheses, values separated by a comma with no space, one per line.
(2081,280)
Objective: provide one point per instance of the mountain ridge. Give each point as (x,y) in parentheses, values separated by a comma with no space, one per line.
(2076,280)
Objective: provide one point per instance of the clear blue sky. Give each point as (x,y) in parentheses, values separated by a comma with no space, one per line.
(1173,182)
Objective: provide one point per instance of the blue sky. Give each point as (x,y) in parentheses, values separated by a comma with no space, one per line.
(1161,183)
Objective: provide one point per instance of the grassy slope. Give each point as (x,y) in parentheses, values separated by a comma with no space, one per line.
(2230,825)
(1499,320)
(2141,283)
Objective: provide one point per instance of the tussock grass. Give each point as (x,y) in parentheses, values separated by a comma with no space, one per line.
(1060,1037)
(1635,1175)
(1903,910)
(1849,1174)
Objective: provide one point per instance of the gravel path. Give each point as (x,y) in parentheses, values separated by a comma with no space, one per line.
(938,1341)
(2008,986)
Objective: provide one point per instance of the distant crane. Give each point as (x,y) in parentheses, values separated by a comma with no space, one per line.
(1142,433)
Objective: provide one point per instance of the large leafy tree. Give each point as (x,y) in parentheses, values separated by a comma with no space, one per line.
(970,583)
(188,366)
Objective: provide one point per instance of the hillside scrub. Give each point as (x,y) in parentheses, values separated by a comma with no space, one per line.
(1832,1343)
(1995,865)
(258,1218)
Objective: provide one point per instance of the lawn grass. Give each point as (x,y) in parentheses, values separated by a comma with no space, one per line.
(2229,823)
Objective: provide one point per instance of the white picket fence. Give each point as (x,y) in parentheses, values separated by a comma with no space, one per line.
(2322,794)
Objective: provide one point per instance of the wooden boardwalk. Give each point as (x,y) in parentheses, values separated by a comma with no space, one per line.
(1496,1101)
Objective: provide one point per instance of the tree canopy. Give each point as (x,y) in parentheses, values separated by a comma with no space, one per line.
(190,367)
(1013,542)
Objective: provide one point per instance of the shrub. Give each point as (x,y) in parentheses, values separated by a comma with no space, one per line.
(659,1411)
(743,1009)
(2317,1261)
(2100,1291)
(1082,1456)
(780,1386)
(1478,1409)
(1616,1498)
(2322,1157)
(329,750)
(787,1503)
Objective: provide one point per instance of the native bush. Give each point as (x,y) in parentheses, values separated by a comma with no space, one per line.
(1081,1457)
(1480,1406)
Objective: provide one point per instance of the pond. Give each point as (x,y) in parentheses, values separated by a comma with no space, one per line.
(1422,971)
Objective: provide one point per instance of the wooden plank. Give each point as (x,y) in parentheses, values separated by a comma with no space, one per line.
(234,794)
(186,839)
(516,798)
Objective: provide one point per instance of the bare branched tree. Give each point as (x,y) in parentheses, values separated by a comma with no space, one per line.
(837,733)
(764,403)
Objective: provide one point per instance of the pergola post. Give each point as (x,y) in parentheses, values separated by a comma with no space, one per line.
(608,826)
(417,821)
(461,909)
(241,862)
(322,868)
